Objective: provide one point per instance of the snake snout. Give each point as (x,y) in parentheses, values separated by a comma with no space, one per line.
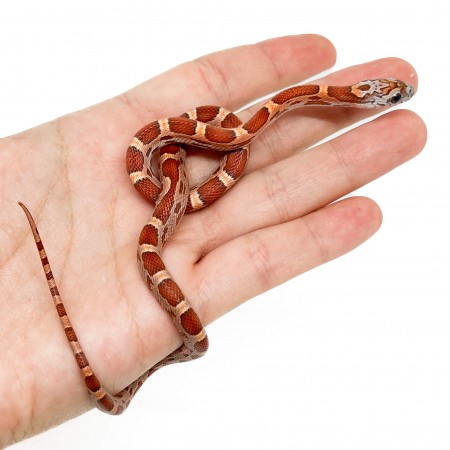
(409,91)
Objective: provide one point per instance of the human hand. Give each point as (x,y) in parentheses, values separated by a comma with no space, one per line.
(274,225)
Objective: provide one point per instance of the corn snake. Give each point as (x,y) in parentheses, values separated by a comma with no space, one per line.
(167,141)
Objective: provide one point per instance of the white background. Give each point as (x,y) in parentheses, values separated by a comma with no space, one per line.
(352,355)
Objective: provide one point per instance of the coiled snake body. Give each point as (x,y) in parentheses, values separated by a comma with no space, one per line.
(211,128)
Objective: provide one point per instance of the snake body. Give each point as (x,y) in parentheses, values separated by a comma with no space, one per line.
(167,140)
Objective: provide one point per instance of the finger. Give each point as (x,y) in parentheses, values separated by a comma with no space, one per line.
(305,127)
(258,261)
(233,77)
(309,180)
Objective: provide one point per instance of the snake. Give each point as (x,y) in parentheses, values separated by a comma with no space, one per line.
(156,165)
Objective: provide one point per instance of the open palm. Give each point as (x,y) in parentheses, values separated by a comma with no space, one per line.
(275,224)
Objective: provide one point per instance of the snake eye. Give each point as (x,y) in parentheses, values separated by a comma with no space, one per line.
(396,97)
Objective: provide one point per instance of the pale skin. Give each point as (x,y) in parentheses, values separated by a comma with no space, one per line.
(71,174)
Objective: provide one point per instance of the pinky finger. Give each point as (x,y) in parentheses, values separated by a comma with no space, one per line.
(258,261)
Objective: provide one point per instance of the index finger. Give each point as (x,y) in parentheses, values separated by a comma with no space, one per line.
(231,78)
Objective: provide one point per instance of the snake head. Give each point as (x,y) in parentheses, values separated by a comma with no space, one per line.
(382,92)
